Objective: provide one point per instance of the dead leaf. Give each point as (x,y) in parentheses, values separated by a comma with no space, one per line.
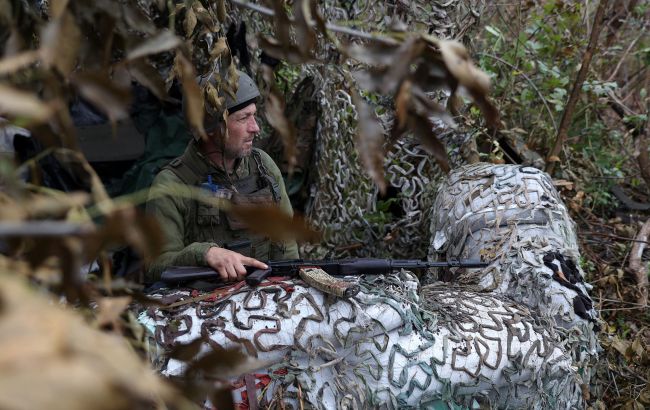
(205,17)
(219,47)
(553,158)
(164,40)
(195,111)
(104,94)
(374,53)
(58,362)
(290,53)
(190,22)
(621,346)
(69,157)
(370,142)
(225,363)
(282,23)
(127,226)
(62,125)
(60,41)
(402,108)
(147,75)
(215,102)
(422,127)
(9,65)
(110,309)
(412,111)
(186,352)
(304,31)
(394,67)
(274,223)
(274,110)
(460,65)
(18,103)
(55,206)
(57,7)
(136,19)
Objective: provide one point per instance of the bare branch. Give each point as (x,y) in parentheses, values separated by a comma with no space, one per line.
(636,263)
(577,86)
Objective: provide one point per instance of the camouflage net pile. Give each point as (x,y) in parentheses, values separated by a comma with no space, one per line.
(387,346)
(513,216)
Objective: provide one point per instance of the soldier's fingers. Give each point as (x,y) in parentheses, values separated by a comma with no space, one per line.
(241,270)
(232,273)
(223,274)
(253,262)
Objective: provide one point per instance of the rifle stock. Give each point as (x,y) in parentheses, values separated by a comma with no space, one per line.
(341,267)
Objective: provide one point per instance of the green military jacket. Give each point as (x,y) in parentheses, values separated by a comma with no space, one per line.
(192,227)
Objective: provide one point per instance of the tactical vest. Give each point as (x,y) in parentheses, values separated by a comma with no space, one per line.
(206,223)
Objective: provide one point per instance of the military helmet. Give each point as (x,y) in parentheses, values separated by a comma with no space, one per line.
(247,93)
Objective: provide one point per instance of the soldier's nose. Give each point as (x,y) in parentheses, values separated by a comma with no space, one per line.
(254,127)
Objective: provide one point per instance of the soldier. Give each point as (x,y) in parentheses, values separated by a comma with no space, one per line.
(229,167)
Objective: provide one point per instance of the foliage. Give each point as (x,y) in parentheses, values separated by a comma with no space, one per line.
(532,51)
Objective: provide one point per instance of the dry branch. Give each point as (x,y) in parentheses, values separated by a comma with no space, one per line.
(643,157)
(636,263)
(577,86)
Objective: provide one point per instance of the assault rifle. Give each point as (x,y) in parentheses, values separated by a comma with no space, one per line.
(333,267)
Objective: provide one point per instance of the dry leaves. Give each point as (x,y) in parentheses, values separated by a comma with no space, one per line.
(147,75)
(60,43)
(18,103)
(275,115)
(52,359)
(191,93)
(111,98)
(162,41)
(274,223)
(409,70)
(370,142)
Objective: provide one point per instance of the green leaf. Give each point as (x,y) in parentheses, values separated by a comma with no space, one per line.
(494,31)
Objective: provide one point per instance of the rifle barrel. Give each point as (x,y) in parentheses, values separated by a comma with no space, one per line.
(343,267)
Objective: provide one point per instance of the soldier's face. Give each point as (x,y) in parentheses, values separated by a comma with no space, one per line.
(242,128)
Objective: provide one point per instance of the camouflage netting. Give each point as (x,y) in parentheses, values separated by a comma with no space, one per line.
(344,201)
(513,215)
(341,199)
(347,205)
(386,347)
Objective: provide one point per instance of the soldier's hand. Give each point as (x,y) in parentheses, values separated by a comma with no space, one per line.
(230,265)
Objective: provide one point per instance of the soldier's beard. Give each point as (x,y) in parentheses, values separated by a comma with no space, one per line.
(240,152)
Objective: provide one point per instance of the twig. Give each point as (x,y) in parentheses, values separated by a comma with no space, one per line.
(302,406)
(620,302)
(627,51)
(643,158)
(577,86)
(332,27)
(541,96)
(623,238)
(636,265)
